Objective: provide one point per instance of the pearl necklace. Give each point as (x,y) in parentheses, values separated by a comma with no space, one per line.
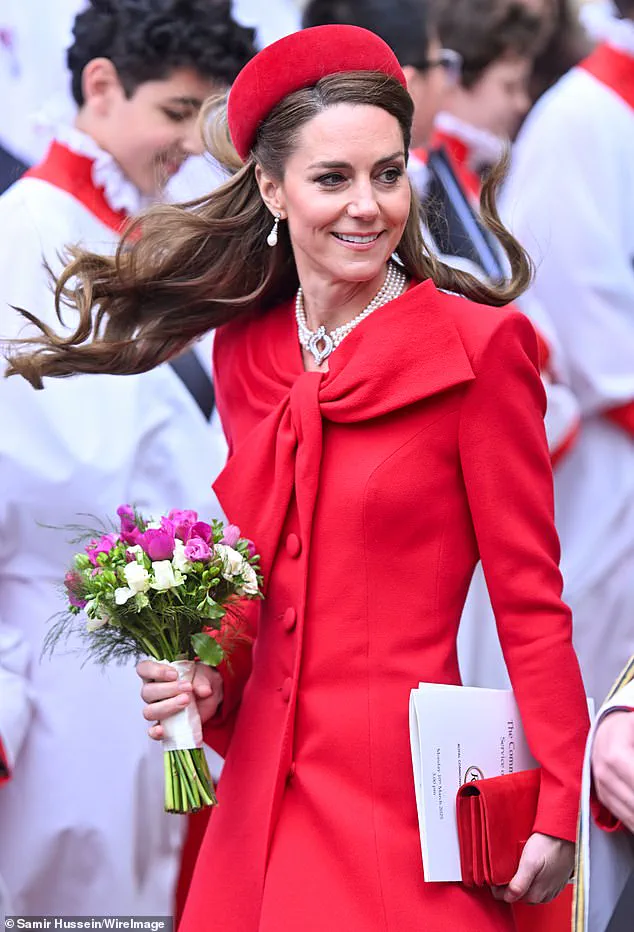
(393,287)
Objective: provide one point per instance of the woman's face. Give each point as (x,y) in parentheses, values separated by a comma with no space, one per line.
(345,193)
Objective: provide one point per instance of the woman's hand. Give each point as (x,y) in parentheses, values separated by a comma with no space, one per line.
(613,765)
(544,870)
(165,695)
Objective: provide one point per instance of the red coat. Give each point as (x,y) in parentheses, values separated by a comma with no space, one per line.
(371,490)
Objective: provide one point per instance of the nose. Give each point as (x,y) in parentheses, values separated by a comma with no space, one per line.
(363,204)
(192,141)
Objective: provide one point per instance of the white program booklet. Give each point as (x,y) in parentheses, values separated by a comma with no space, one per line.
(458,734)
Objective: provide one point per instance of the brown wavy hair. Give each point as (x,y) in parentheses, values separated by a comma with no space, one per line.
(182,270)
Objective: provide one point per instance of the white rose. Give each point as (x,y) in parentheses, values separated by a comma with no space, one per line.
(165,576)
(179,560)
(137,551)
(250,585)
(232,561)
(122,594)
(137,577)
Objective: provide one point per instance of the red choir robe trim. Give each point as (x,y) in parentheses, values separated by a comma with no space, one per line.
(71,172)
(561,451)
(458,152)
(5,772)
(623,416)
(615,70)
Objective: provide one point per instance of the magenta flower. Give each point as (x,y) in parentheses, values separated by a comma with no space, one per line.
(202,530)
(129,530)
(158,543)
(197,550)
(251,549)
(231,535)
(186,529)
(187,516)
(103,545)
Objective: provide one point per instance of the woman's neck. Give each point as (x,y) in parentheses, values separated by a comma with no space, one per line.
(331,303)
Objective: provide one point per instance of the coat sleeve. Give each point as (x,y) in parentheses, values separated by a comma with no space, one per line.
(508,480)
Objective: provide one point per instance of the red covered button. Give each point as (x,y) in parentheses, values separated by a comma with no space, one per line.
(293,545)
(287,689)
(289,619)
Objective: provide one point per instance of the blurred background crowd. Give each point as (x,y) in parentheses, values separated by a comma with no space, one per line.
(99,106)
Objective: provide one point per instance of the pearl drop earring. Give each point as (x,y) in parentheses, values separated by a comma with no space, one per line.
(272,237)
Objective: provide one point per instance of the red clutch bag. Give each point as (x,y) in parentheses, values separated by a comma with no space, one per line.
(495,820)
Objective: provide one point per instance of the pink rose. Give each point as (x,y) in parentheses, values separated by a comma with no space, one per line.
(186,529)
(158,543)
(182,517)
(197,550)
(231,535)
(103,545)
(202,530)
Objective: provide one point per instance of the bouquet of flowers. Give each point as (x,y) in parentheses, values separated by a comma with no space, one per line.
(169,588)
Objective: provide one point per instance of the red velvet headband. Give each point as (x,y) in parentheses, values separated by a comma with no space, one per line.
(298,61)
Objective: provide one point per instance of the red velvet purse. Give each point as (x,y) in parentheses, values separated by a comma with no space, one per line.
(495,820)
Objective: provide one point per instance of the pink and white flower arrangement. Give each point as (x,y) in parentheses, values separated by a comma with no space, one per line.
(170,589)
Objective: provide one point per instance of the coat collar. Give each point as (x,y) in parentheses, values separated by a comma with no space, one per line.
(408,350)
(405,351)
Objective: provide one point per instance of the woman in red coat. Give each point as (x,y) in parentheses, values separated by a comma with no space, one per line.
(384,435)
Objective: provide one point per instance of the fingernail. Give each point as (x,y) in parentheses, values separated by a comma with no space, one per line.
(183,699)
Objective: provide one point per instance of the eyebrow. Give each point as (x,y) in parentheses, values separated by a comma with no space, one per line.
(338,164)
(186,101)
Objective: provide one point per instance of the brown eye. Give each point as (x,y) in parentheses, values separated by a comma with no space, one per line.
(331,180)
(391,175)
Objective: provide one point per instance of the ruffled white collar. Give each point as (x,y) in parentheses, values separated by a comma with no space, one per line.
(485,148)
(119,191)
(419,174)
(603,24)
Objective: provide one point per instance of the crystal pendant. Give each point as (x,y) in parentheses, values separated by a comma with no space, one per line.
(320,336)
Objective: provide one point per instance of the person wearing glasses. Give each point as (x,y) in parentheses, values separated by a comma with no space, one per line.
(407,27)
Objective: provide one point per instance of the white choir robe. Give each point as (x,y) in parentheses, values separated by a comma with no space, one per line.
(479,652)
(605,860)
(83,831)
(569,200)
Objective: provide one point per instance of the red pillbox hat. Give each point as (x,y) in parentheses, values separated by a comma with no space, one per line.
(297,61)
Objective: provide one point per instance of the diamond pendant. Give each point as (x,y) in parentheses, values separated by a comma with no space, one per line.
(320,336)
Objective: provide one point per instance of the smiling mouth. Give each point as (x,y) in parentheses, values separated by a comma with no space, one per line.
(352,238)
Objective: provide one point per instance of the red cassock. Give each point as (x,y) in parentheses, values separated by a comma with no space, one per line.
(371,490)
